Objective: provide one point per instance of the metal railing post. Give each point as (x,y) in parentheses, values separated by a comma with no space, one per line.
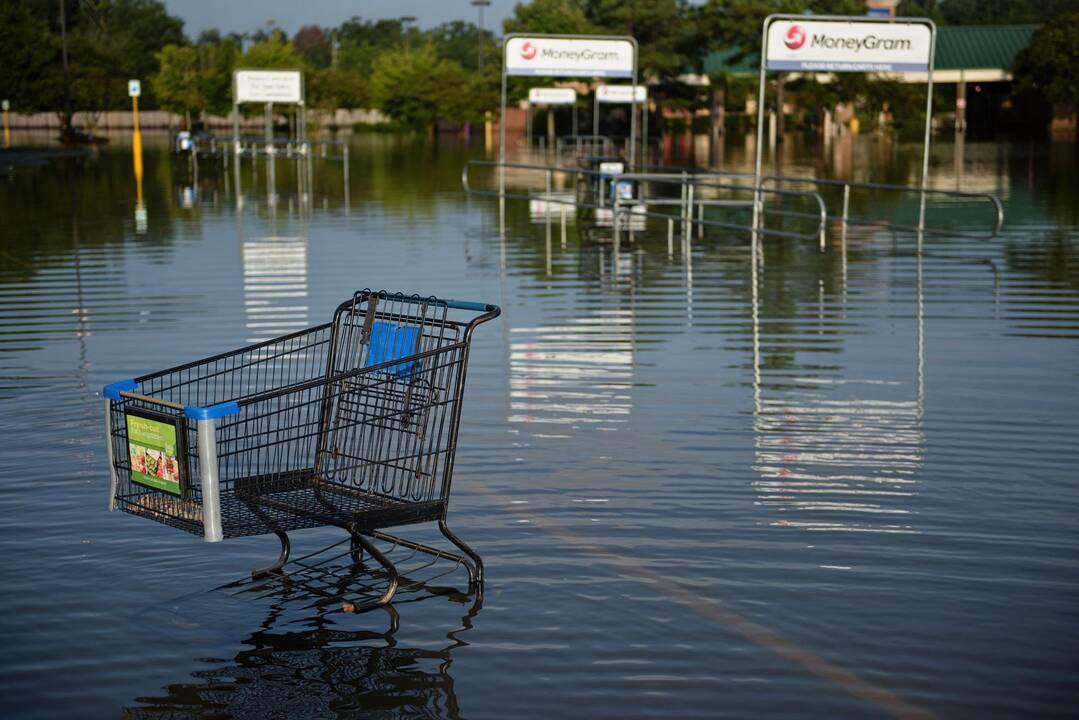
(846,212)
(563,227)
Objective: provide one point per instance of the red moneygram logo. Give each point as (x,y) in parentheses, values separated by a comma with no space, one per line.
(528,51)
(795,39)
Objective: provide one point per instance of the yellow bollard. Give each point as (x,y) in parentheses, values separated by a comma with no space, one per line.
(136,141)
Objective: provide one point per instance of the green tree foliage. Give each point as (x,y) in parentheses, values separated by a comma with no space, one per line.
(178,83)
(29,73)
(417,88)
(274,52)
(1050,64)
(549,16)
(461,42)
(330,89)
(313,45)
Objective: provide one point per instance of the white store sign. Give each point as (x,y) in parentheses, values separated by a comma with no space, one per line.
(837,46)
(568,57)
(621,93)
(552,96)
(268,86)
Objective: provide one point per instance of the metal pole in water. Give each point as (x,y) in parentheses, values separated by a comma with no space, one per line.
(670,237)
(563,227)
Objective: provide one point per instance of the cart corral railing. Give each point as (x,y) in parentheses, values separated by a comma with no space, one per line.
(792,214)
(842,195)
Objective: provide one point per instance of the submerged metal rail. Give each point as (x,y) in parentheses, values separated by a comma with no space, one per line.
(842,215)
(691,202)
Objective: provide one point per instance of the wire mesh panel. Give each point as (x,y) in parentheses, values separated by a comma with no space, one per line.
(351,423)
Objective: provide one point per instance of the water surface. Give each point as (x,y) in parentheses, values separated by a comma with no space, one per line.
(844,486)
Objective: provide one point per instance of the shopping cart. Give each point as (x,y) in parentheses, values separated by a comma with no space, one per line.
(352,423)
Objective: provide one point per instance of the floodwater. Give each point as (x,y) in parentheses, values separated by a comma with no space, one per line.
(844,485)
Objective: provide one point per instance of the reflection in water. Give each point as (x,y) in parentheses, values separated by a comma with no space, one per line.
(321,672)
(275,286)
(839,454)
(308,660)
(575,372)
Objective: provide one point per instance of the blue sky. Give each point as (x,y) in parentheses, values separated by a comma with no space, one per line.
(229,15)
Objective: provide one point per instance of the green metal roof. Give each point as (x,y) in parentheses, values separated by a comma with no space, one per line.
(980,47)
(959,47)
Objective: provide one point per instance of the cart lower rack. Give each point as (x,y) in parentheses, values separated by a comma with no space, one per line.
(352,423)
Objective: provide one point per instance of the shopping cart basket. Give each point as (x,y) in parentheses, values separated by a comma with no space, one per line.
(352,423)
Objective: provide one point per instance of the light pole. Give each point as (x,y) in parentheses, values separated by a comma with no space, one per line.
(480,5)
(405,20)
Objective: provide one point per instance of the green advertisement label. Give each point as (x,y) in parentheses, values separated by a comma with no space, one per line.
(153,448)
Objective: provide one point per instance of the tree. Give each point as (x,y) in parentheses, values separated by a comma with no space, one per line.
(178,83)
(549,16)
(273,52)
(30,72)
(461,42)
(417,88)
(330,89)
(313,45)
(1050,64)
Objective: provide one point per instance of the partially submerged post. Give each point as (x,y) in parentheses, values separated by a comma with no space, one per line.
(632,95)
(551,97)
(564,56)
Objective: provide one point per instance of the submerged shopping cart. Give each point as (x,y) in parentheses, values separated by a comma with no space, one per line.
(352,423)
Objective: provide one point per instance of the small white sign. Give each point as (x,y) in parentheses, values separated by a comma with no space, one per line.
(853,46)
(134,88)
(611,168)
(582,57)
(621,93)
(5,105)
(268,86)
(552,96)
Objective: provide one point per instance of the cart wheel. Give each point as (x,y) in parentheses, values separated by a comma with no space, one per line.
(355,550)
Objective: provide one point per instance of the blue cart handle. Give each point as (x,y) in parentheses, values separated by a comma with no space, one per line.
(468,305)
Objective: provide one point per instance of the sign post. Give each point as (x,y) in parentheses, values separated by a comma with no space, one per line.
(624,94)
(564,56)
(830,43)
(268,87)
(5,105)
(550,97)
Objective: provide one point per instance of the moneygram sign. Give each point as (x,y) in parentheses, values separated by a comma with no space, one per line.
(830,46)
(569,57)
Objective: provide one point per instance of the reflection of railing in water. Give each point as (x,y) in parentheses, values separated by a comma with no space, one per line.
(693,198)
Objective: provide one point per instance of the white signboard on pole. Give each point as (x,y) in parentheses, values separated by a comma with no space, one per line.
(621,93)
(836,46)
(570,57)
(552,96)
(268,86)
(134,88)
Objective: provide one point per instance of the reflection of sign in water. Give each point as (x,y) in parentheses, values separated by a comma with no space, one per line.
(578,373)
(552,96)
(591,57)
(621,93)
(275,286)
(831,46)
(268,86)
(155,448)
